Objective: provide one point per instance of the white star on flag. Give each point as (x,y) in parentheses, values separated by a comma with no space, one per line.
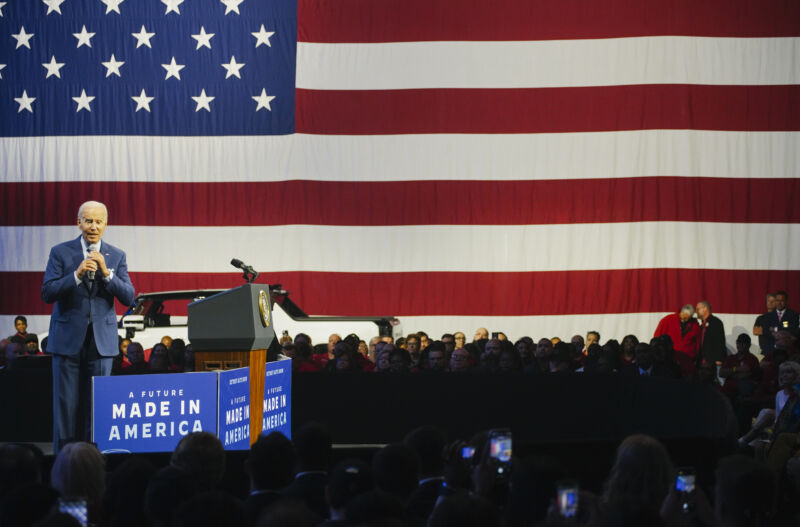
(202,101)
(84,37)
(173,69)
(1,69)
(83,101)
(143,38)
(142,101)
(112,66)
(53,6)
(263,100)
(233,68)
(53,67)
(203,38)
(1,8)
(262,36)
(112,5)
(172,5)
(23,39)
(231,5)
(25,102)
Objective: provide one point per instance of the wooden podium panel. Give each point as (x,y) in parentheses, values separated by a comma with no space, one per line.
(256,361)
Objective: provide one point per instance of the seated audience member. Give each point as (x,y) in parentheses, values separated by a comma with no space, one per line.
(449,342)
(123,503)
(532,490)
(664,357)
(414,347)
(176,354)
(14,352)
(541,362)
(610,357)
(744,493)
(21,327)
(435,358)
(79,472)
(159,361)
(347,480)
(509,360)
(525,348)
(578,343)
(642,474)
(490,355)
(382,363)
(395,469)
(363,349)
(210,508)
(707,374)
(428,442)
(32,344)
(465,510)
(345,359)
(33,504)
(120,361)
(682,329)
(560,359)
(167,490)
(592,337)
(740,371)
(201,455)
(313,445)
(332,340)
(788,377)
(644,364)
(480,334)
(459,360)
(459,339)
(424,341)
(628,350)
(188,358)
(303,359)
(20,464)
(270,467)
(136,358)
(399,361)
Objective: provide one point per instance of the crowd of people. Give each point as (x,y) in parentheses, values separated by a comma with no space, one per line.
(427,479)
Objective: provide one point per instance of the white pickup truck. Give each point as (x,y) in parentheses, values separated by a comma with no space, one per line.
(155,315)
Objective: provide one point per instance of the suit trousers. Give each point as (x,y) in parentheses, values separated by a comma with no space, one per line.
(72,391)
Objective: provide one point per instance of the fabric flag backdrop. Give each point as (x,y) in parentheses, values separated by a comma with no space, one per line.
(541,168)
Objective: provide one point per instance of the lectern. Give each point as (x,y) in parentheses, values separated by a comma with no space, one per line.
(233,329)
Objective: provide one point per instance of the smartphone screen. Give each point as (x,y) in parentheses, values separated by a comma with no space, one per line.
(500,448)
(684,485)
(75,508)
(467,452)
(568,499)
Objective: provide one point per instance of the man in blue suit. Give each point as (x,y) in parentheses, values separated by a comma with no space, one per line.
(781,318)
(82,278)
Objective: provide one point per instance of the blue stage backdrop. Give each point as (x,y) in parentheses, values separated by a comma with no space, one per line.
(278,398)
(151,413)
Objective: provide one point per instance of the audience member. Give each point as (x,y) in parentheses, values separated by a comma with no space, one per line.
(592,337)
(210,509)
(136,359)
(413,346)
(628,349)
(744,493)
(435,357)
(578,342)
(20,464)
(561,358)
(459,360)
(269,467)
(740,371)
(124,500)
(399,361)
(79,471)
(642,474)
(21,327)
(712,334)
(541,362)
(395,468)
(313,446)
(429,443)
(176,354)
(788,377)
(480,334)
(464,510)
(347,480)
(459,339)
(159,359)
(201,455)
(449,341)
(758,326)
(167,490)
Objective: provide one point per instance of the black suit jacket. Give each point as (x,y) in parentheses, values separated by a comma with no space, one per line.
(310,489)
(790,320)
(713,347)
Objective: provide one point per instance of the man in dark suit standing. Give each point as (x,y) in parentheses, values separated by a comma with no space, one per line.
(712,335)
(82,278)
(781,318)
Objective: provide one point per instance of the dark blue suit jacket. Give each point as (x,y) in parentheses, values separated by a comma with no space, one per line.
(77,305)
(790,321)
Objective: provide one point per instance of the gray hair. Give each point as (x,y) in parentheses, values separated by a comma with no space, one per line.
(91,205)
(79,471)
(791,365)
(689,308)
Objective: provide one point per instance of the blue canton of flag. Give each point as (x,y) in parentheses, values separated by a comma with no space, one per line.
(147,67)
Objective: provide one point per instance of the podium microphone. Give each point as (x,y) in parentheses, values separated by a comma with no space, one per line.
(250,274)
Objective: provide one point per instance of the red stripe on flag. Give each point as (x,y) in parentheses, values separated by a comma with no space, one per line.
(426,202)
(423,20)
(466,293)
(543,110)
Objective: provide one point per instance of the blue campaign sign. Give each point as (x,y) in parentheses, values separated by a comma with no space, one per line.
(234,409)
(151,413)
(278,398)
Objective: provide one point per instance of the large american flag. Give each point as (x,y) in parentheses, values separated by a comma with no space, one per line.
(537,167)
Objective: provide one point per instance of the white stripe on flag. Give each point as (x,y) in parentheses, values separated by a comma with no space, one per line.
(544,64)
(403,158)
(569,247)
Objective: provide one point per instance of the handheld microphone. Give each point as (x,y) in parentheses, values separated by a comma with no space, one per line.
(89,249)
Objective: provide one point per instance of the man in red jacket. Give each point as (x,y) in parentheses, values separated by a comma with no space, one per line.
(682,329)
